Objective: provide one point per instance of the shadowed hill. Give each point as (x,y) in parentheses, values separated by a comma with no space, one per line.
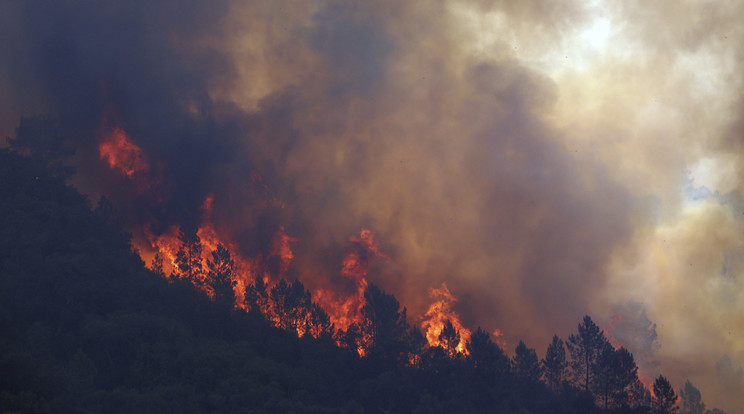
(86,328)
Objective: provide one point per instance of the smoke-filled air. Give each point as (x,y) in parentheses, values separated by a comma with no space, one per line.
(506,165)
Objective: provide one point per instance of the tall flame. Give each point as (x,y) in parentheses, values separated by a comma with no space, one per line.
(439,313)
(344,308)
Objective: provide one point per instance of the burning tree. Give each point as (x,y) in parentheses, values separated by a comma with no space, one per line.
(189,256)
(220,275)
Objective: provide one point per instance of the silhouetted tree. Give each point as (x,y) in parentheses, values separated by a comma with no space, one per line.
(189,256)
(417,345)
(350,338)
(487,358)
(257,297)
(386,323)
(640,396)
(616,372)
(715,411)
(157,265)
(692,401)
(526,364)
(281,301)
(555,364)
(319,323)
(665,399)
(449,338)
(220,269)
(584,349)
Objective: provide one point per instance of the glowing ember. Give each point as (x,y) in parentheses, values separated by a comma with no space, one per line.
(439,313)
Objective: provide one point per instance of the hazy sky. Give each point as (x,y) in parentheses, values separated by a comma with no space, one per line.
(546,161)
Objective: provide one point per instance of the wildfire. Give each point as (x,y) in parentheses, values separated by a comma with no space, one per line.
(281,248)
(438,315)
(262,276)
(122,154)
(344,308)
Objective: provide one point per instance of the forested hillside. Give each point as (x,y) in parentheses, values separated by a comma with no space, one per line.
(86,328)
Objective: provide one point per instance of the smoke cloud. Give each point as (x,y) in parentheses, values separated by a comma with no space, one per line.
(544,161)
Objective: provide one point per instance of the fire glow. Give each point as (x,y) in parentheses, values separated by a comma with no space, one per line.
(342,306)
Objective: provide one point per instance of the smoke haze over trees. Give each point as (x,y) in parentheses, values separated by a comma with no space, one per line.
(496,169)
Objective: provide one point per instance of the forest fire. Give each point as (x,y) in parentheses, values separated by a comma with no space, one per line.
(118,150)
(345,308)
(338,306)
(440,316)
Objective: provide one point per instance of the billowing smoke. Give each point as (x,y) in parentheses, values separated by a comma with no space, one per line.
(544,162)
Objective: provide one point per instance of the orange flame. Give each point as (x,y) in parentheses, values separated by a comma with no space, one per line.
(122,154)
(281,247)
(438,314)
(344,308)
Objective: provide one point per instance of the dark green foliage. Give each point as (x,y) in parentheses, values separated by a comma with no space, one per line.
(665,399)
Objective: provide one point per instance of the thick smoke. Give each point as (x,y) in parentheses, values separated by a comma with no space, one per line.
(494,146)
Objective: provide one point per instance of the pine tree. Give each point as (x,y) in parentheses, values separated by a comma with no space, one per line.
(157,265)
(555,364)
(665,399)
(525,363)
(386,323)
(189,256)
(616,372)
(220,270)
(486,357)
(449,338)
(584,349)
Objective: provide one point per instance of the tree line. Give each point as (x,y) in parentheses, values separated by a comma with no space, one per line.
(586,361)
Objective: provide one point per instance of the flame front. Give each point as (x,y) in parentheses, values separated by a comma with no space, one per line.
(263,275)
(439,313)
